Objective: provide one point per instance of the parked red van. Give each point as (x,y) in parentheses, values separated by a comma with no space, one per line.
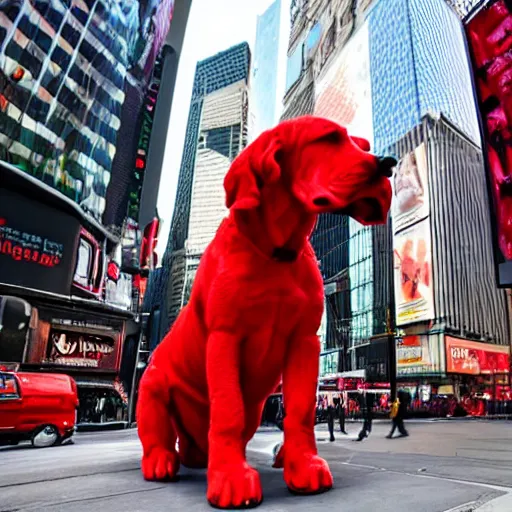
(37,407)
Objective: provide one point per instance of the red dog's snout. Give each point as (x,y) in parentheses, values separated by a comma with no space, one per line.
(385,166)
(322,201)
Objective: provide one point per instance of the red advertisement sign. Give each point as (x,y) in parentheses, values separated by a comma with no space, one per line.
(82,350)
(475,358)
(490,41)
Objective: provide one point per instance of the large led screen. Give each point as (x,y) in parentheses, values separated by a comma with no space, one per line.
(489,33)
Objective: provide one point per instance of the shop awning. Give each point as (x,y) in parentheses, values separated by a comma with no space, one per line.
(93,382)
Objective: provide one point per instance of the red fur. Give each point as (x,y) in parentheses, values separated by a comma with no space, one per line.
(252,319)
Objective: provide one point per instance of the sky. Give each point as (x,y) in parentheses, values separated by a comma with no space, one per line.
(213,26)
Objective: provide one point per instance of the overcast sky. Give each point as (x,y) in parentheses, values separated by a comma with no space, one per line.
(213,26)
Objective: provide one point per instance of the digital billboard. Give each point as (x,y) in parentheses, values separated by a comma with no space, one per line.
(419,355)
(412,240)
(38,244)
(489,38)
(414,296)
(476,358)
(411,199)
(344,92)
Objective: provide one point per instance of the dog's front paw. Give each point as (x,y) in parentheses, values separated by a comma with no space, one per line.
(307,474)
(234,486)
(160,464)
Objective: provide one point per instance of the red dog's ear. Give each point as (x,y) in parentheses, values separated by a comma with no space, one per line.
(256,165)
(311,129)
(362,143)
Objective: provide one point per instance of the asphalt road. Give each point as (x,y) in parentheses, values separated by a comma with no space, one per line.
(442,466)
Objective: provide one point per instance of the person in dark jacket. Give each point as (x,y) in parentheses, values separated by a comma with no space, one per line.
(367,409)
(398,420)
(340,405)
(331,415)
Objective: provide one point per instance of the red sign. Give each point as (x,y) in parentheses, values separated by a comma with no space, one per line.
(475,358)
(37,244)
(82,350)
(488,35)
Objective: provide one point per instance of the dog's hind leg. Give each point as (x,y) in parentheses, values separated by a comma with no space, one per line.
(191,420)
(157,433)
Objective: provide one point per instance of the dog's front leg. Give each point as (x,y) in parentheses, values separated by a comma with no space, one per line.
(304,471)
(231,481)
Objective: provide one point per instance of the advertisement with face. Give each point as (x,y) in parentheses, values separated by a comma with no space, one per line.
(413,274)
(490,41)
(411,201)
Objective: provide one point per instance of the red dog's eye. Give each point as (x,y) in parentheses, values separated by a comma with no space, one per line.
(331,137)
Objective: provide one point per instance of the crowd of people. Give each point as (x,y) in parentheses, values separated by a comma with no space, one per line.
(332,407)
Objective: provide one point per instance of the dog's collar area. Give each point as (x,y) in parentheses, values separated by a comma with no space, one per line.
(284,255)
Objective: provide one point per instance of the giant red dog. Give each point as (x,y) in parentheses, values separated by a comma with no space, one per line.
(254,313)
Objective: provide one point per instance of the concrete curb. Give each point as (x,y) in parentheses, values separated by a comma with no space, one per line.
(500,504)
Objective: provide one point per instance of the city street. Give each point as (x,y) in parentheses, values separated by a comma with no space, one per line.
(458,466)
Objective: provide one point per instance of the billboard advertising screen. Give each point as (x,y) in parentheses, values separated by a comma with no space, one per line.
(38,244)
(413,274)
(79,349)
(412,241)
(344,92)
(419,354)
(490,43)
(476,358)
(411,200)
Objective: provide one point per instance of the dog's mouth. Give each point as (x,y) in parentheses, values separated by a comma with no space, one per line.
(366,211)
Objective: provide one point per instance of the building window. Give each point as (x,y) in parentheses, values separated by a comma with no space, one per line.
(328,44)
(294,11)
(8,387)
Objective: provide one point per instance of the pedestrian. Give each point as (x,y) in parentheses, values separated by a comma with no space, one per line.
(367,408)
(398,413)
(280,414)
(331,414)
(341,414)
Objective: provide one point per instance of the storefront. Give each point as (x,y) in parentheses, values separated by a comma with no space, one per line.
(421,372)
(54,308)
(448,376)
(481,375)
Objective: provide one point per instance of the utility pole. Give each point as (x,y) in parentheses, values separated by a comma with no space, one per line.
(391,315)
(390,321)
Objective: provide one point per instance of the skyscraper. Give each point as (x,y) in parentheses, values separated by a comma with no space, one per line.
(216,133)
(268,70)
(397,73)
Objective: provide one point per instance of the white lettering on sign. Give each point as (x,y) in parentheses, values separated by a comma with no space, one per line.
(460,353)
(81,346)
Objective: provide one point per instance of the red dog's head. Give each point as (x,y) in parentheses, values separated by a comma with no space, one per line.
(310,165)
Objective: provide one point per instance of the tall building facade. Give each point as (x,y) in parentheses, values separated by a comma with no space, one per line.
(75,82)
(216,133)
(386,70)
(268,69)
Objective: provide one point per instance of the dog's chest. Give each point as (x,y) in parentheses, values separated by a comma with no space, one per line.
(275,303)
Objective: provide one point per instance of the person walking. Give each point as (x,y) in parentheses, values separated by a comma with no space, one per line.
(367,408)
(341,413)
(331,414)
(398,413)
